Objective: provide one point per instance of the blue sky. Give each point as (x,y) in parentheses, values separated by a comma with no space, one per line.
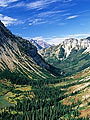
(51,20)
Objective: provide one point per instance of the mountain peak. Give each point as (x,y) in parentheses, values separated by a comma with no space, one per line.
(0,22)
(63,50)
(2,25)
(20,54)
(72,55)
(73,43)
(40,44)
(4,32)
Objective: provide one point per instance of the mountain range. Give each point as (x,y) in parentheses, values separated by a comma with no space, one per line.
(40,44)
(50,84)
(72,55)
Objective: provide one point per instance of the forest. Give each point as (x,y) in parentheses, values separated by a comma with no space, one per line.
(47,100)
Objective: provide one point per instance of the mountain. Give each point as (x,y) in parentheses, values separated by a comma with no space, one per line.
(30,89)
(40,44)
(35,43)
(72,55)
(18,54)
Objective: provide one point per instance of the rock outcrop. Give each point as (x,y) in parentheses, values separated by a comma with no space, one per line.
(66,47)
(71,56)
(20,54)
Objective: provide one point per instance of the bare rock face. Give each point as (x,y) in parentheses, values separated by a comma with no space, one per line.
(71,56)
(63,50)
(72,43)
(17,52)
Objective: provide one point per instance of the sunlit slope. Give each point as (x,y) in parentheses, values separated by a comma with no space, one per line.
(70,56)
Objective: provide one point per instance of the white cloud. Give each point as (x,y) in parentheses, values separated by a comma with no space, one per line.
(40,4)
(79,36)
(65,1)
(43,17)
(51,40)
(7,20)
(57,40)
(5,3)
(48,13)
(35,5)
(36,22)
(72,17)
(19,4)
(40,38)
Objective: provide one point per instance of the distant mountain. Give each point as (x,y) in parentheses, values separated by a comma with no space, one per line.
(40,44)
(34,42)
(72,55)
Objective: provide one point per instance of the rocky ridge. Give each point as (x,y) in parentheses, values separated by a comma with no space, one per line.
(72,43)
(40,44)
(66,47)
(19,54)
(70,56)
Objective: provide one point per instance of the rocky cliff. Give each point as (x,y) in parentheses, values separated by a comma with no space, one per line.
(72,55)
(19,54)
(66,47)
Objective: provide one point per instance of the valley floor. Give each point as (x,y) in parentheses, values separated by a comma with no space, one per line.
(53,99)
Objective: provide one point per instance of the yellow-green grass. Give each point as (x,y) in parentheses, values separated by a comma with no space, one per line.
(10,98)
(4,102)
(24,88)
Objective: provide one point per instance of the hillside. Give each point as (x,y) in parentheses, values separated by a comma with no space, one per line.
(31,89)
(71,55)
(18,54)
(21,68)
(54,99)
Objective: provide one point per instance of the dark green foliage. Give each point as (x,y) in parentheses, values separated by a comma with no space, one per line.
(76,62)
(14,77)
(46,105)
(4,89)
(62,53)
(39,110)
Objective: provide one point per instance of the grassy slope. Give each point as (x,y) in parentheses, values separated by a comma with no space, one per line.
(76,88)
